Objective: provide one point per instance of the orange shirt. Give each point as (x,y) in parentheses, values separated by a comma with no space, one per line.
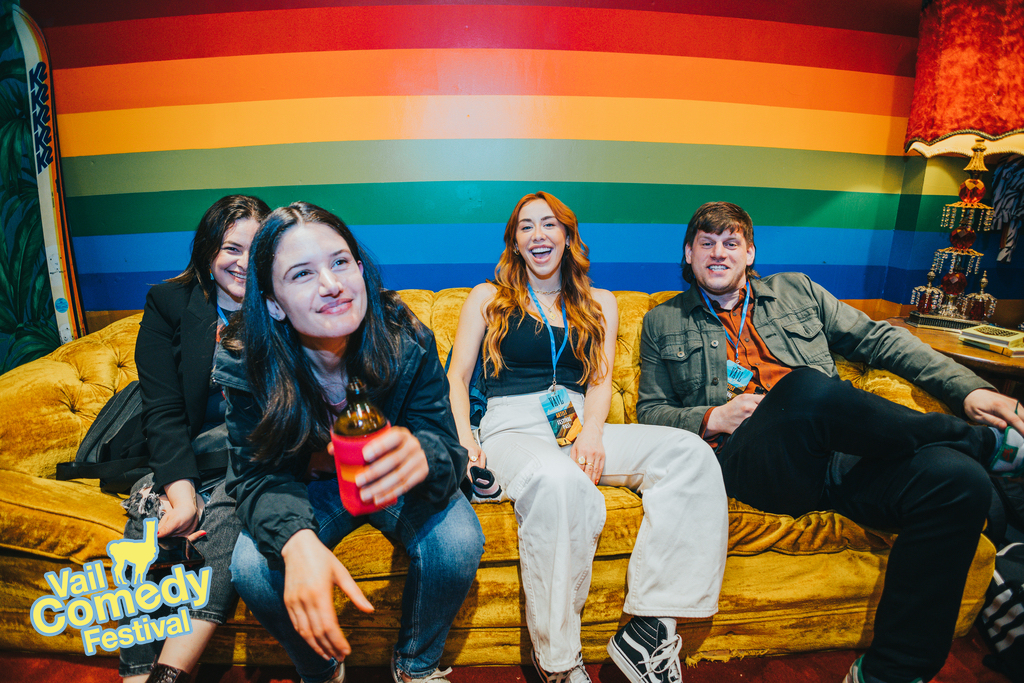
(753,355)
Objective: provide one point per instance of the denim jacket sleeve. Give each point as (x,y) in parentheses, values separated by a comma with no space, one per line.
(803,325)
(857,337)
(679,367)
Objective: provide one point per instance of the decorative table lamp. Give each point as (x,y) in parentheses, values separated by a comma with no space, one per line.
(967,97)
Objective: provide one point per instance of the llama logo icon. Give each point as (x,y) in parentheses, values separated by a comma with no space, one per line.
(137,553)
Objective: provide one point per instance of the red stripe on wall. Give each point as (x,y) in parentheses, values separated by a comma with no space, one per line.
(447,26)
(896,17)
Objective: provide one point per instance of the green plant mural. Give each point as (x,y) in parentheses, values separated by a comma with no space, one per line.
(28,326)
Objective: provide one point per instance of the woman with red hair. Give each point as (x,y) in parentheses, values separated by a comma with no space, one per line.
(548,344)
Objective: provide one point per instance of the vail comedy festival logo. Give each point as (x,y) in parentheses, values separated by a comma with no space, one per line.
(83,599)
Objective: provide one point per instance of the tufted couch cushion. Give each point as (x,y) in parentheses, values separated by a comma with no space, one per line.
(790,585)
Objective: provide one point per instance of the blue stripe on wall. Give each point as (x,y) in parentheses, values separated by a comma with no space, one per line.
(470,242)
(127,291)
(138,253)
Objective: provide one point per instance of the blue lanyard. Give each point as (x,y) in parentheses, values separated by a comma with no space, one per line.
(551,334)
(743,318)
(222,315)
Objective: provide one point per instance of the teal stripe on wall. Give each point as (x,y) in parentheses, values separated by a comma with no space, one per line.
(490,202)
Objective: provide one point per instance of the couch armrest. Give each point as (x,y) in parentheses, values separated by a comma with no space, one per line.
(57,519)
(48,404)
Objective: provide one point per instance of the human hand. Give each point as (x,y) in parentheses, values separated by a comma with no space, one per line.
(589,447)
(726,419)
(988,407)
(477,458)
(310,574)
(398,464)
(181,513)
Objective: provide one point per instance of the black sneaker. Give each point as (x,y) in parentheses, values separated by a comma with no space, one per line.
(645,653)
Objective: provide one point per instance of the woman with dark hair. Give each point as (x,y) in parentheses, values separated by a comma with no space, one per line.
(182,427)
(316,316)
(548,343)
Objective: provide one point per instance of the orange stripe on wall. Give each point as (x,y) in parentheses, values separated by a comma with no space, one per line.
(240,124)
(476,72)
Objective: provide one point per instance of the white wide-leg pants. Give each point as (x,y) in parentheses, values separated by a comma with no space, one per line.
(679,556)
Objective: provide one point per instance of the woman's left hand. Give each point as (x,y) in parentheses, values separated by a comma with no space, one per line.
(589,449)
(397,463)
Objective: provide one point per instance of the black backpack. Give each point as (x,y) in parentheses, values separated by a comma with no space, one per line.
(114,449)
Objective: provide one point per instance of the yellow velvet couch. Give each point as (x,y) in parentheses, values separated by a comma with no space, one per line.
(791,585)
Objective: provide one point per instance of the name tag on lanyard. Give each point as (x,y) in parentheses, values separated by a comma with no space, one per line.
(738,376)
(561,415)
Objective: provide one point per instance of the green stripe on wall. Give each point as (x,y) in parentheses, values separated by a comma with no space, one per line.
(392,161)
(489,202)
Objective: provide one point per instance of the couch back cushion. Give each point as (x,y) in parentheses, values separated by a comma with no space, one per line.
(48,404)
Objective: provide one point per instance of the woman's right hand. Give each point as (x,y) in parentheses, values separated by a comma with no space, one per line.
(181,517)
(477,458)
(311,573)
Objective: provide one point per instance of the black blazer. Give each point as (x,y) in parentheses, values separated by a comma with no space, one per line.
(174,357)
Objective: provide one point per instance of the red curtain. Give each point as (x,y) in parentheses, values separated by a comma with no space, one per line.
(970,77)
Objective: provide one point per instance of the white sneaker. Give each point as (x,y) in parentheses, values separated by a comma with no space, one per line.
(577,674)
(339,674)
(1008,458)
(437,675)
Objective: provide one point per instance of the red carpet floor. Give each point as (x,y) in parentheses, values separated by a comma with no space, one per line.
(963,666)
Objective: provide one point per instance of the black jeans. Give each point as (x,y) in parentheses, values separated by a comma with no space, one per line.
(222,527)
(918,473)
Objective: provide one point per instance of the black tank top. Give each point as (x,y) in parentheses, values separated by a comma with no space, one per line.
(526,352)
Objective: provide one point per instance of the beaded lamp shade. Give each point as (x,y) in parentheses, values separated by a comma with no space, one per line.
(970,78)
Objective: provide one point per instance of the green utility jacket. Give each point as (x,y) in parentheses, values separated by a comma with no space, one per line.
(683,349)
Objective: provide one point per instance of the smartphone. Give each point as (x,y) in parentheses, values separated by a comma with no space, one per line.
(178,550)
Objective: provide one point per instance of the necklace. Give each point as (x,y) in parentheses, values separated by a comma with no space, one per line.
(548,291)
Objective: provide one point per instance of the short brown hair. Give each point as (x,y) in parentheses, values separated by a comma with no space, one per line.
(716,218)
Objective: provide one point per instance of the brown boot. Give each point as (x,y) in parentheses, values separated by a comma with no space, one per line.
(162,673)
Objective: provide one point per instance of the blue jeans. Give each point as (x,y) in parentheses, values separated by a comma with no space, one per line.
(444,551)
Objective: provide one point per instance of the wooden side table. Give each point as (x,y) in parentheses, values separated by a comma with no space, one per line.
(1004,372)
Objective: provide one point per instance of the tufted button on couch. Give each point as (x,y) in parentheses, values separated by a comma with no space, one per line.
(791,585)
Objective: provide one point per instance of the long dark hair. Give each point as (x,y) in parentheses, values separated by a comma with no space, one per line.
(295,409)
(224,213)
(511,295)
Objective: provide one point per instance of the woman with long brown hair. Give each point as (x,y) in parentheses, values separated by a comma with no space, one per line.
(548,344)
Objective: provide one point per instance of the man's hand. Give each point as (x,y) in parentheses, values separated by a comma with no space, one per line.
(311,573)
(726,419)
(988,407)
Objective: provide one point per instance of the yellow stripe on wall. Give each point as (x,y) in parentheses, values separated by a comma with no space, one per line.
(239,124)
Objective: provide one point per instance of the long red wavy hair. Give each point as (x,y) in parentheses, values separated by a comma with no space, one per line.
(583,313)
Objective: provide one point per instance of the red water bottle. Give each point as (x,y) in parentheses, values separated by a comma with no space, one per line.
(360,422)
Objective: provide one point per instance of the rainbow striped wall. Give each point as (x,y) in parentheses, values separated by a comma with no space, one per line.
(422,124)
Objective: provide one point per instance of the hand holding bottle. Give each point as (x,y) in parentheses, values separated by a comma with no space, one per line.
(376,463)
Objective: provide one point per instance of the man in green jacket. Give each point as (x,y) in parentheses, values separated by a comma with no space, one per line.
(746,363)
